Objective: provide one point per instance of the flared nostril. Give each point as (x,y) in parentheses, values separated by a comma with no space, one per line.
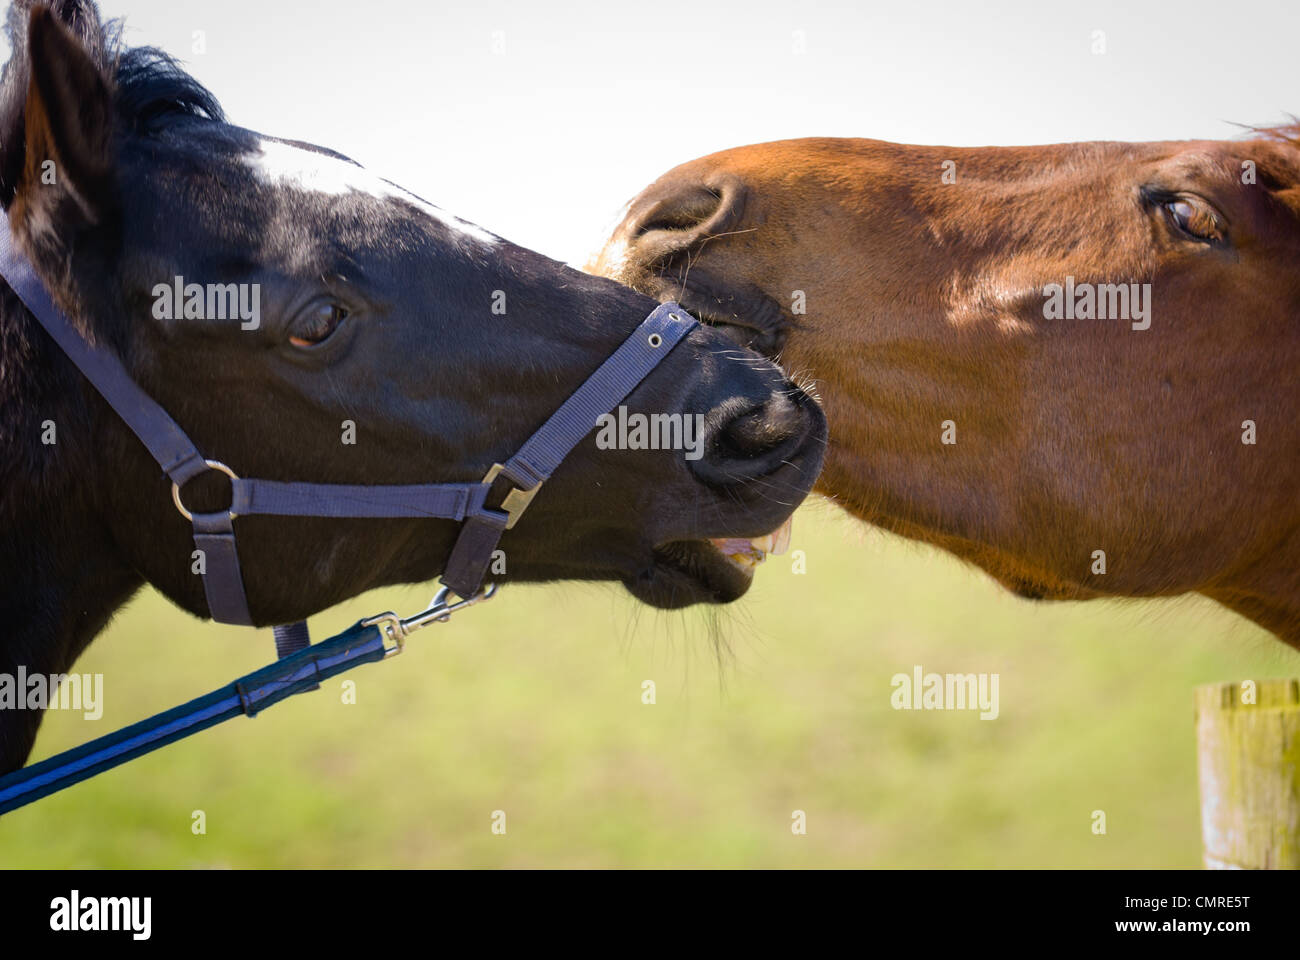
(762,430)
(678,214)
(683,210)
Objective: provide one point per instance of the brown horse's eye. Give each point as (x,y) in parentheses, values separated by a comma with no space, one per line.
(1195,219)
(315,324)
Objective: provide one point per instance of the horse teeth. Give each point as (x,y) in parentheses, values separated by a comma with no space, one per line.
(778,541)
(749,553)
(781,539)
(739,551)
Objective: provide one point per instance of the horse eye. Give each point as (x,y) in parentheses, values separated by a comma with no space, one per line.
(315,324)
(1194,219)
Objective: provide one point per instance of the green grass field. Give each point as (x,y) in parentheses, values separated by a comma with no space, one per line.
(532,705)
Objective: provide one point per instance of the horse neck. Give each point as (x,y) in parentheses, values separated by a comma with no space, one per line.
(61,576)
(1268,591)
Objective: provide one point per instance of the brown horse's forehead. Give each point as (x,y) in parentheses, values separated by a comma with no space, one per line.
(1226,162)
(1278,161)
(791,179)
(794,159)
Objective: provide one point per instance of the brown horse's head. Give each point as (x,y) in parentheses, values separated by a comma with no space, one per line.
(1074,365)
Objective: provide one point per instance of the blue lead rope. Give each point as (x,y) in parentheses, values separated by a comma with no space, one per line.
(249,695)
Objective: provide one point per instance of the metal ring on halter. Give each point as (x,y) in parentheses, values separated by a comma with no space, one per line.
(212,465)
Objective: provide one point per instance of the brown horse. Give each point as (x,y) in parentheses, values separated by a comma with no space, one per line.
(1076,366)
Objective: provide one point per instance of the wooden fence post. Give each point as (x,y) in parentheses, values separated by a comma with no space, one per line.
(1248,761)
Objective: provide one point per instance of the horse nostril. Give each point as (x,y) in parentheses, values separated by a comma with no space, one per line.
(680,213)
(762,430)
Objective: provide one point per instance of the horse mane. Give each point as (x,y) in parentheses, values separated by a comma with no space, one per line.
(1288,133)
(151,90)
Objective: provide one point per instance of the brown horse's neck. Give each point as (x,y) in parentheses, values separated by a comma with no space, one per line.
(1268,591)
(61,577)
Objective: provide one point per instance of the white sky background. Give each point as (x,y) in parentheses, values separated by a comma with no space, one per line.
(590,101)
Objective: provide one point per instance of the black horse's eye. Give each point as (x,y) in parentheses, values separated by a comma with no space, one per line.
(1194,218)
(315,324)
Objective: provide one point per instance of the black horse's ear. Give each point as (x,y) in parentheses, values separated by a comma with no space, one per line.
(68,121)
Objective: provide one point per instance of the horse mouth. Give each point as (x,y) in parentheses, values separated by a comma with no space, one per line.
(747,553)
(743,312)
(716,570)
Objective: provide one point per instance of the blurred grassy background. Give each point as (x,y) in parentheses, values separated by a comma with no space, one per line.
(532,705)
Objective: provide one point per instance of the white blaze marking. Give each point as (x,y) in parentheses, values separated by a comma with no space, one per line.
(320,173)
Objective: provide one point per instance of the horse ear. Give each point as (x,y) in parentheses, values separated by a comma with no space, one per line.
(68,126)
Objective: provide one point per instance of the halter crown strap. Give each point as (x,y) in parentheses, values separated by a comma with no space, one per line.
(214,533)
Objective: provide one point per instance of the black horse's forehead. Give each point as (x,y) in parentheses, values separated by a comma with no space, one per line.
(303,168)
(230,179)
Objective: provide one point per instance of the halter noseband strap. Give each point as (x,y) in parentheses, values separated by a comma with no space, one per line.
(214,533)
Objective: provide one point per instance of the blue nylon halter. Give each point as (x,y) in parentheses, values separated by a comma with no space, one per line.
(483,525)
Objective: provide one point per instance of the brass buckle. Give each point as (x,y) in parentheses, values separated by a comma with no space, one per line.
(516,501)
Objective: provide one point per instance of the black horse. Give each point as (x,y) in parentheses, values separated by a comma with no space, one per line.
(440,347)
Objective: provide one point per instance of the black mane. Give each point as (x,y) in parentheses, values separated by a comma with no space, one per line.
(151,90)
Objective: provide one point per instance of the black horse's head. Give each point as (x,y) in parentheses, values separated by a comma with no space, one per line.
(359,336)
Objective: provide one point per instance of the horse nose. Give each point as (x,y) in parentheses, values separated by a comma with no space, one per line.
(745,439)
(771,425)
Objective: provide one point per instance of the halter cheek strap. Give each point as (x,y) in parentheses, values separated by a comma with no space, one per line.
(542,453)
(483,525)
